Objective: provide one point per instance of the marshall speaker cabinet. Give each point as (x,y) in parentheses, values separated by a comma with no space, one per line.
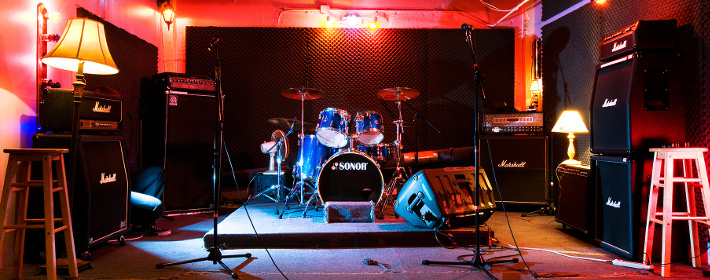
(101,195)
(518,164)
(179,117)
(637,102)
(432,196)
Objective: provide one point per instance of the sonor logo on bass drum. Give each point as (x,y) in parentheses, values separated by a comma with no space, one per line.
(110,178)
(349,166)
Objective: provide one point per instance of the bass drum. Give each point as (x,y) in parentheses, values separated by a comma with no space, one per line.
(350,176)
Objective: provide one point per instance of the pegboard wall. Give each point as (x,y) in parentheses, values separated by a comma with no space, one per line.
(350,66)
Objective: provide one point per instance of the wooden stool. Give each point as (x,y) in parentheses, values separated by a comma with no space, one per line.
(17,179)
(694,176)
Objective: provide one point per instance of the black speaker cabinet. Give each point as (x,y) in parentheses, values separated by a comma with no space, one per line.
(178,134)
(101,195)
(637,103)
(432,196)
(623,186)
(575,203)
(519,164)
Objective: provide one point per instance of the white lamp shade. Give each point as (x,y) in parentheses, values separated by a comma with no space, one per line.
(570,122)
(83,40)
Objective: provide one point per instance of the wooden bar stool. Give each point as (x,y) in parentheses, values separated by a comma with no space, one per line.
(17,179)
(663,176)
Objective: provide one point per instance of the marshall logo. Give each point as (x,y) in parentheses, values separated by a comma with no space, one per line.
(101,109)
(505,163)
(618,46)
(350,166)
(105,179)
(609,103)
(615,204)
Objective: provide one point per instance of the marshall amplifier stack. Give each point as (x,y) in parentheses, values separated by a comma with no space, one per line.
(179,124)
(637,104)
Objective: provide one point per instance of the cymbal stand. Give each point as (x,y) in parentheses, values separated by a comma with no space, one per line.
(400,176)
(298,188)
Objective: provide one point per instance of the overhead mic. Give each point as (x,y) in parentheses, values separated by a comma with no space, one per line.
(214,43)
(466,26)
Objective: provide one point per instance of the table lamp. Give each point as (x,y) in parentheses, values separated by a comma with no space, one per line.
(570,122)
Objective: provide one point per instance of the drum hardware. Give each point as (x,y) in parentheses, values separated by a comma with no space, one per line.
(400,175)
(302,94)
(273,148)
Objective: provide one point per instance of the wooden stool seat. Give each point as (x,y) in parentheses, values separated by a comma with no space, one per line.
(17,179)
(663,175)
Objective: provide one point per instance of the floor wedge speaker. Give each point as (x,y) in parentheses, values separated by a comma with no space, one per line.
(433,196)
(519,164)
(100,197)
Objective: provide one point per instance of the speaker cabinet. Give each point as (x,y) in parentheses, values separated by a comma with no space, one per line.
(432,196)
(101,194)
(623,185)
(637,104)
(576,197)
(520,166)
(178,134)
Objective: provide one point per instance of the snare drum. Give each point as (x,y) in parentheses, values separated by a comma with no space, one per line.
(369,127)
(311,154)
(350,176)
(380,152)
(332,129)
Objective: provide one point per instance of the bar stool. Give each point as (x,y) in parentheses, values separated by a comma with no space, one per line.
(663,176)
(17,179)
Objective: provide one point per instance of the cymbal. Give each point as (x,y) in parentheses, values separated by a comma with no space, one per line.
(305,93)
(398,93)
(285,123)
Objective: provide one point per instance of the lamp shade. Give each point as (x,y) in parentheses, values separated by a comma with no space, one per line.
(83,40)
(570,122)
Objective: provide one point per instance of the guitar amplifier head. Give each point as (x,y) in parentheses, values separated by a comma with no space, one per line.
(514,123)
(97,111)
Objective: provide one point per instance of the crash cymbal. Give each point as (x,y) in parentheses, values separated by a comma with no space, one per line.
(398,93)
(305,93)
(285,123)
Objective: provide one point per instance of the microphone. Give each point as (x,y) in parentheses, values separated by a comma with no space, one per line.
(466,27)
(214,43)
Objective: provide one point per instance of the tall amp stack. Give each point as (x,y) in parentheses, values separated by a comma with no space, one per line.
(179,119)
(100,196)
(637,104)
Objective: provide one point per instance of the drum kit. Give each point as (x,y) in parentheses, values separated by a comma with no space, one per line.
(340,160)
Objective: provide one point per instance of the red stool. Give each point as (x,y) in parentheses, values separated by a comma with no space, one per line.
(663,176)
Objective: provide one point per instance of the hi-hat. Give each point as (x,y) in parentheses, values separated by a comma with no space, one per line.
(398,93)
(305,93)
(284,123)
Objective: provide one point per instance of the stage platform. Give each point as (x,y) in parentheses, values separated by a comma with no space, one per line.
(295,231)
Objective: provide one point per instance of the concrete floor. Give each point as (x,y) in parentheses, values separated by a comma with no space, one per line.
(138,258)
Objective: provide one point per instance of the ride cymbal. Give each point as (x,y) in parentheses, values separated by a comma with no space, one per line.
(398,93)
(305,93)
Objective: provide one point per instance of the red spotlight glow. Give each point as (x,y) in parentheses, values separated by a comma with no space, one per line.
(600,2)
(372,25)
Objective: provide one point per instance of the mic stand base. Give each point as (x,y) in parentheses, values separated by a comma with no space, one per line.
(399,177)
(215,256)
(476,262)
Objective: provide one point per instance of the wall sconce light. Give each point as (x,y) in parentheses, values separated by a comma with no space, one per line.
(167,11)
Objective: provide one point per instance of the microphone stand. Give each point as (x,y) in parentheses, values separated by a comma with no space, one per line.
(214,253)
(477,261)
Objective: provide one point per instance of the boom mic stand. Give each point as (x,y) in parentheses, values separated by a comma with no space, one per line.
(477,261)
(214,253)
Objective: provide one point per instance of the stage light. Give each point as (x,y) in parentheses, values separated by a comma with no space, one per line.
(351,20)
(328,23)
(599,2)
(373,24)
